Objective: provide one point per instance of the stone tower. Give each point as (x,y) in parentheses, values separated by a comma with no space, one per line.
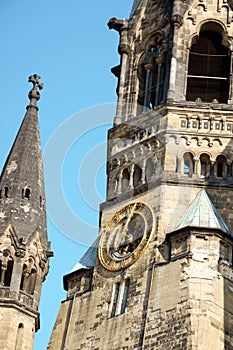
(24,247)
(160,274)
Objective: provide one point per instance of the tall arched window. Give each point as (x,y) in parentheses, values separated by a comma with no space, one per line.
(125,180)
(6,266)
(221,166)
(205,165)
(209,66)
(19,337)
(137,176)
(188,164)
(8,273)
(151,74)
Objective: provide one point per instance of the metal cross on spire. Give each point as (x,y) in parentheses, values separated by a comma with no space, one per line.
(34,94)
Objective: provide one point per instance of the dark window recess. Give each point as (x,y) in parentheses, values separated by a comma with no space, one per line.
(8,273)
(205,165)
(209,67)
(220,170)
(27,193)
(23,278)
(137,176)
(6,192)
(125,180)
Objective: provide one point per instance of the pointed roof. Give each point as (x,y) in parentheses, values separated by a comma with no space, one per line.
(88,259)
(202,213)
(87,262)
(22,202)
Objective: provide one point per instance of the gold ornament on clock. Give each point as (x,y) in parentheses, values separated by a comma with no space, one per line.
(125,237)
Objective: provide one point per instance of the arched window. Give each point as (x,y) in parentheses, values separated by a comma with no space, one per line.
(28,279)
(221,166)
(19,337)
(8,273)
(209,66)
(125,180)
(205,165)
(6,267)
(137,176)
(188,164)
(151,75)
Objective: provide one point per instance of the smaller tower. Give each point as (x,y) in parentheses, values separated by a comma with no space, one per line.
(24,247)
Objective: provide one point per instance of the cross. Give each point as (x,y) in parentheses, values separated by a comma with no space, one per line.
(34,94)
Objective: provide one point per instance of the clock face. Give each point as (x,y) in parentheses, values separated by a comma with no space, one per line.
(125,237)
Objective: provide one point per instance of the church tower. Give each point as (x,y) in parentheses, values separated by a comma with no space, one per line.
(160,275)
(24,247)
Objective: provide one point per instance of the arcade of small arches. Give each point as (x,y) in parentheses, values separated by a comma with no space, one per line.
(132,175)
(204,166)
(28,275)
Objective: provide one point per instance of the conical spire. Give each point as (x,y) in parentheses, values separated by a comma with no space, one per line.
(202,213)
(22,202)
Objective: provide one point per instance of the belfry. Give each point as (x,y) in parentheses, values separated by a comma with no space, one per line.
(160,275)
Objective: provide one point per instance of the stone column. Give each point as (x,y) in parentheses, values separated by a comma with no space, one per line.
(178,164)
(123,50)
(230,98)
(119,184)
(159,85)
(143,177)
(131,177)
(148,68)
(3,271)
(200,116)
(229,169)
(212,162)
(177,21)
(195,168)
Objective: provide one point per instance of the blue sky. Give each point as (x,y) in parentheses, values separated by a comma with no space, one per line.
(70,46)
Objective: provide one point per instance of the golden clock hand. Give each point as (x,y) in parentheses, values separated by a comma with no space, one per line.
(124,229)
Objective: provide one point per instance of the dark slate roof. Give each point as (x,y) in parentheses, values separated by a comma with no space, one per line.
(23,170)
(88,259)
(202,213)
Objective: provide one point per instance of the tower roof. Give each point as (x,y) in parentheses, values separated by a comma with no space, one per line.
(202,213)
(22,202)
(88,259)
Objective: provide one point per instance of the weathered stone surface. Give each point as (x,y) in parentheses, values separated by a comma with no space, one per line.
(163,149)
(24,246)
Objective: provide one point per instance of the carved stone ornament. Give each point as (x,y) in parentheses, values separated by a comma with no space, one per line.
(20,253)
(177,20)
